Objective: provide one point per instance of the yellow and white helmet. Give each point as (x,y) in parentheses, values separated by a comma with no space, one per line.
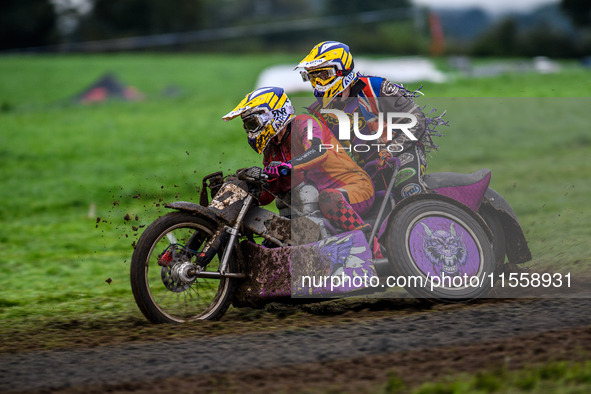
(329,68)
(265,112)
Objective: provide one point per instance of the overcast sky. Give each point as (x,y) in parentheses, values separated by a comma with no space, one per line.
(497,6)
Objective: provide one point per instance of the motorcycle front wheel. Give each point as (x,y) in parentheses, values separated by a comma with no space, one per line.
(161,291)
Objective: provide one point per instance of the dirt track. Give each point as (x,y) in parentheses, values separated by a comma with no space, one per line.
(363,351)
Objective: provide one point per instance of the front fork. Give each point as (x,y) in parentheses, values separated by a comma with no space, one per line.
(212,247)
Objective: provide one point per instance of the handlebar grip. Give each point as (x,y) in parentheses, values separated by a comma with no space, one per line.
(284,171)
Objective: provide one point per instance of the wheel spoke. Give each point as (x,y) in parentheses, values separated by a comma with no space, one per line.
(170,292)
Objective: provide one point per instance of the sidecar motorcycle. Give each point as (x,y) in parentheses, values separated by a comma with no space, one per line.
(194,262)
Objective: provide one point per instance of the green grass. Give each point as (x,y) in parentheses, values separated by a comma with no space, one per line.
(58,160)
(555,377)
(572,82)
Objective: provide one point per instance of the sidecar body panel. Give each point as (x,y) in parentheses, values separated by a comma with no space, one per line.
(305,270)
(268,224)
(465,188)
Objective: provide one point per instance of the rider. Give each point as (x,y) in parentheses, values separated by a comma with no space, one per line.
(330,69)
(345,190)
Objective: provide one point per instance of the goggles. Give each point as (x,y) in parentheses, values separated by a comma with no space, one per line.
(318,75)
(255,121)
(321,74)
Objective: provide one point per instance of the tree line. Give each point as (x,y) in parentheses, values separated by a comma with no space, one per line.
(42,23)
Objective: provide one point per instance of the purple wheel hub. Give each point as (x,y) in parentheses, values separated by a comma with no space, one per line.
(441,245)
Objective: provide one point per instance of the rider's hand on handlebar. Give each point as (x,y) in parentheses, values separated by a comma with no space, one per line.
(252,174)
(277,169)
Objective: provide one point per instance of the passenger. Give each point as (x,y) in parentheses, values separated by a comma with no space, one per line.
(330,70)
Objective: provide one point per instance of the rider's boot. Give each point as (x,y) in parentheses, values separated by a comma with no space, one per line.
(335,207)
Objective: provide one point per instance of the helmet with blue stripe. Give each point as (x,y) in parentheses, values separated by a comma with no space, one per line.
(265,112)
(329,68)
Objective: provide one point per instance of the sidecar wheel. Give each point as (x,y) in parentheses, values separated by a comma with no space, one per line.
(173,240)
(441,251)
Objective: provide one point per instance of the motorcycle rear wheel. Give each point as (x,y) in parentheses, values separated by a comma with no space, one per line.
(172,240)
(442,250)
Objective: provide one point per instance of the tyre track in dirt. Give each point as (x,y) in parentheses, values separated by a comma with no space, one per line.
(121,364)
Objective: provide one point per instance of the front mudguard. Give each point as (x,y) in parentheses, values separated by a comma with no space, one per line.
(257,220)
(516,247)
(193,208)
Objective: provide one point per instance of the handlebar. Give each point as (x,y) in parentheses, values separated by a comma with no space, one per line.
(256,174)
(252,174)
(284,171)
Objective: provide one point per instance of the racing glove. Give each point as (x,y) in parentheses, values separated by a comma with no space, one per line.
(277,169)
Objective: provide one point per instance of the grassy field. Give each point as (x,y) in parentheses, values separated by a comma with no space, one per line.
(71,173)
(556,377)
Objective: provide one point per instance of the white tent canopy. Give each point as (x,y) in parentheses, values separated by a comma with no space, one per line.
(397,70)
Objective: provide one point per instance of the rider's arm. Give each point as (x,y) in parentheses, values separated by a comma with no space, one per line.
(278,185)
(313,154)
(266,198)
(311,157)
(392,99)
